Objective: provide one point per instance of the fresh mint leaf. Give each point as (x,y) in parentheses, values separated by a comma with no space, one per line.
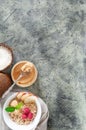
(19,105)
(10,109)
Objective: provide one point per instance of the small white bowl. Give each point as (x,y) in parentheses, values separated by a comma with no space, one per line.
(14,126)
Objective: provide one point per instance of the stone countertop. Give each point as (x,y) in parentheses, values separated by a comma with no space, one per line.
(52,35)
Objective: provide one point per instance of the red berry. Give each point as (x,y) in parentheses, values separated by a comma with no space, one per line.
(30,115)
(26,110)
(24,116)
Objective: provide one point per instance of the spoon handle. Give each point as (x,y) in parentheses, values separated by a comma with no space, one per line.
(11,87)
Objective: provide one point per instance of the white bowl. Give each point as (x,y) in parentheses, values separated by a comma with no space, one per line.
(14,126)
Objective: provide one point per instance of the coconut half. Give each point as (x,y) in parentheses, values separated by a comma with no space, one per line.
(6,56)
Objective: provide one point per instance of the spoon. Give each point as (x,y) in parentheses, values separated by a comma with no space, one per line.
(24,71)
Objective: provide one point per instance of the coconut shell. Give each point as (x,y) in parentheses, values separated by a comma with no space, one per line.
(11,52)
(5,83)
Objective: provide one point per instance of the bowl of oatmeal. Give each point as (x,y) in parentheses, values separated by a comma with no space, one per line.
(22,110)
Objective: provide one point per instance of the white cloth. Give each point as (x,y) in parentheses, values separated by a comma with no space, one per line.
(43,121)
(44,118)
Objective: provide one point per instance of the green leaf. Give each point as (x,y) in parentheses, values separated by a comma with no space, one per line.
(19,105)
(10,109)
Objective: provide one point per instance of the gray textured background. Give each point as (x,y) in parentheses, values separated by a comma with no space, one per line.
(51,34)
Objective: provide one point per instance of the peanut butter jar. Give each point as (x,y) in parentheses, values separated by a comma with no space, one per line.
(26,80)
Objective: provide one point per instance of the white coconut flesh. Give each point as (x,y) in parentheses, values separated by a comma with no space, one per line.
(5,57)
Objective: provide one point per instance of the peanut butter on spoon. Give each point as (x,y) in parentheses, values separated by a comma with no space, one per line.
(28,67)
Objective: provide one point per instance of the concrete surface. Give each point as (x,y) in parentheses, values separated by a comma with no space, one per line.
(51,34)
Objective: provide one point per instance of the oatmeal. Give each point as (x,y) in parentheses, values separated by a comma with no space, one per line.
(20,111)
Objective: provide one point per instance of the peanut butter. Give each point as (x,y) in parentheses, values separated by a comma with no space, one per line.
(28,78)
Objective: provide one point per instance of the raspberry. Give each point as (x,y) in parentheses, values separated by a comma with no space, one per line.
(26,110)
(30,115)
(24,116)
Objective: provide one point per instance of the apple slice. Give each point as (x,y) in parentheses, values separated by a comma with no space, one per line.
(14,103)
(23,97)
(20,94)
(29,99)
